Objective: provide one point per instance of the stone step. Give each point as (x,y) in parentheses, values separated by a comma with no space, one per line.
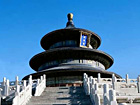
(61,96)
(59,101)
(49,89)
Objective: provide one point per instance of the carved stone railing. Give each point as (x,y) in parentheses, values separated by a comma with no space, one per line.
(8,87)
(40,86)
(21,91)
(22,97)
(107,90)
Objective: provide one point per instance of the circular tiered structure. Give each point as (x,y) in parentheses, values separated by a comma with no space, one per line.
(69,53)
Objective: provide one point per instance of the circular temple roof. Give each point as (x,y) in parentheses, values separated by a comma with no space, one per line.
(68,34)
(71,53)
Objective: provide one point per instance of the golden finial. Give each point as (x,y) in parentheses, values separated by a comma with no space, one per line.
(70,16)
(70,23)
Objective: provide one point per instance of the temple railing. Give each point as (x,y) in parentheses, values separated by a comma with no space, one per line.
(22,97)
(40,86)
(112,91)
(9,87)
(21,91)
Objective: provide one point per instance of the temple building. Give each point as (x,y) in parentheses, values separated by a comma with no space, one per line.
(71,71)
(69,53)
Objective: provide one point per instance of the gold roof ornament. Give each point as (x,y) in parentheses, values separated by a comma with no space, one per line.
(70,23)
(70,16)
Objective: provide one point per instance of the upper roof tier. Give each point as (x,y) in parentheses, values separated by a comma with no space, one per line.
(70,33)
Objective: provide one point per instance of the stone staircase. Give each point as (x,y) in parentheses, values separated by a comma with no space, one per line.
(61,96)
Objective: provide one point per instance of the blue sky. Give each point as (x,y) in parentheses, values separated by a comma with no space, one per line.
(24,22)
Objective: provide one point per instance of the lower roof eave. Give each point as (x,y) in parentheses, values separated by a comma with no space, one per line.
(58,73)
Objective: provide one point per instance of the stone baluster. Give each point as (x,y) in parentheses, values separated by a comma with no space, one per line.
(127,78)
(96,96)
(99,78)
(96,88)
(30,80)
(4,81)
(138,83)
(113,78)
(106,94)
(24,84)
(16,81)
(84,79)
(93,81)
(17,88)
(84,75)
(6,88)
(85,82)
(17,93)
(88,86)
(41,78)
(114,81)
(44,77)
(38,81)
(112,97)
(97,99)
(91,86)
(90,80)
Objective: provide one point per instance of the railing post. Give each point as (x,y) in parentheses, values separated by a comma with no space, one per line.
(114,81)
(92,89)
(16,99)
(138,83)
(96,95)
(30,83)
(106,94)
(16,82)
(88,86)
(4,81)
(38,81)
(99,78)
(90,79)
(4,86)
(84,81)
(44,77)
(96,87)
(24,84)
(112,97)
(93,81)
(17,89)
(127,78)
(30,80)
(7,88)
(41,78)
(97,99)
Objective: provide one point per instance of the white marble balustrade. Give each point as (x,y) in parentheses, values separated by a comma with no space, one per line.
(21,90)
(112,91)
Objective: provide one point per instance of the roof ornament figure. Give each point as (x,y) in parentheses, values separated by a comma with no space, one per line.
(70,23)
